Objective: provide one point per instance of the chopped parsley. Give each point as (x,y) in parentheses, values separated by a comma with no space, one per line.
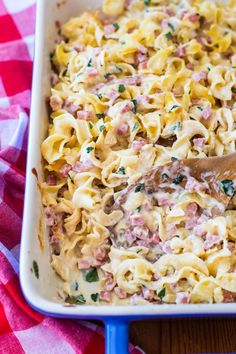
(162,293)
(116,26)
(227,186)
(138,251)
(173,107)
(121,170)
(122,42)
(233,89)
(139,187)
(138,209)
(200,108)
(91,275)
(164,177)
(64,72)
(135,106)
(95,297)
(173,159)
(135,126)
(89,149)
(102,127)
(99,95)
(171,26)
(90,125)
(168,35)
(75,286)
(177,179)
(147,2)
(79,299)
(121,88)
(119,69)
(89,62)
(176,126)
(35,269)
(100,115)
(107,75)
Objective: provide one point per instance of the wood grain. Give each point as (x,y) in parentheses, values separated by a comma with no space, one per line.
(180,336)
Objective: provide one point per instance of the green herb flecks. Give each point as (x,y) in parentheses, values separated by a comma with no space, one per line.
(89,149)
(91,275)
(135,103)
(118,69)
(138,209)
(227,186)
(233,89)
(173,159)
(168,35)
(178,179)
(116,26)
(100,115)
(173,107)
(138,251)
(121,170)
(121,88)
(139,187)
(200,108)
(162,293)
(147,2)
(176,126)
(164,177)
(171,26)
(100,96)
(35,269)
(102,127)
(107,75)
(134,127)
(64,72)
(89,62)
(95,297)
(76,300)
(90,125)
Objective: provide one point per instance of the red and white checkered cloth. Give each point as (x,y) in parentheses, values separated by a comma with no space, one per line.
(23,330)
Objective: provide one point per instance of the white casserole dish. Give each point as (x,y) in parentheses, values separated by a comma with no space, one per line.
(41,293)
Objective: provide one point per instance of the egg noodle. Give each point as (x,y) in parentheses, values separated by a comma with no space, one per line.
(135,86)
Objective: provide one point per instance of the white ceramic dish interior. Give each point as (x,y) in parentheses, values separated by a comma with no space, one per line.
(41,293)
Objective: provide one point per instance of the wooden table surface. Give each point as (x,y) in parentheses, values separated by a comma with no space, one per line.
(180,336)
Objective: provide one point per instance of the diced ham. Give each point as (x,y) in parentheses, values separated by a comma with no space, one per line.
(191,223)
(135,80)
(127,107)
(64,170)
(99,254)
(127,3)
(155,238)
(54,240)
(84,264)
(199,142)
(143,99)
(171,229)
(164,24)
(194,17)
(110,284)
(193,185)
(168,11)
(91,72)
(123,129)
(84,115)
(79,47)
(228,296)
(211,240)
(183,13)
(55,103)
(195,102)
(143,65)
(109,29)
(141,58)
(142,49)
(51,179)
(122,294)
(147,294)
(70,106)
(82,166)
(166,246)
(231,247)
(112,94)
(136,220)
(141,232)
(49,216)
(206,113)
(191,209)
(190,66)
(105,296)
(157,90)
(61,191)
(147,205)
(163,199)
(202,75)
(134,299)
(181,52)
(138,143)
(130,237)
(182,298)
